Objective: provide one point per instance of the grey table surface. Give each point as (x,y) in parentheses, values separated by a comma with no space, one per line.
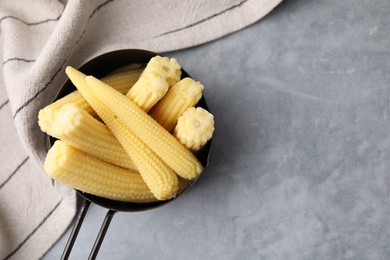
(299,167)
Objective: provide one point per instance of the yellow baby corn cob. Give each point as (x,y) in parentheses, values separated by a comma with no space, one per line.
(184,94)
(48,114)
(129,67)
(194,128)
(159,74)
(79,129)
(122,81)
(166,146)
(86,173)
(161,180)
(148,90)
(168,68)
(78,80)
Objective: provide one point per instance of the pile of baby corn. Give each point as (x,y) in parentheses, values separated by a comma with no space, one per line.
(130,136)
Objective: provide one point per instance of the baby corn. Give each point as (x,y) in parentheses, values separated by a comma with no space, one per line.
(88,174)
(79,129)
(183,95)
(166,146)
(121,81)
(194,128)
(47,115)
(161,180)
(159,74)
(148,90)
(168,68)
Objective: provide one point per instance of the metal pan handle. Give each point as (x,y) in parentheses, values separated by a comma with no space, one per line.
(102,233)
(75,229)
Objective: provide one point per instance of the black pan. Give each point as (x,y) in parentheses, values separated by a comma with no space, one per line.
(99,67)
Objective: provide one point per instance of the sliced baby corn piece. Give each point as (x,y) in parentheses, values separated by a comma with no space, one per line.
(148,90)
(183,95)
(88,174)
(166,146)
(168,68)
(122,81)
(48,114)
(161,180)
(195,128)
(159,74)
(78,128)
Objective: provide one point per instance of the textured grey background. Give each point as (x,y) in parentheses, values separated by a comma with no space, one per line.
(301,154)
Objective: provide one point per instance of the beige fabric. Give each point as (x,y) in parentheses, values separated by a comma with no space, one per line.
(38,39)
